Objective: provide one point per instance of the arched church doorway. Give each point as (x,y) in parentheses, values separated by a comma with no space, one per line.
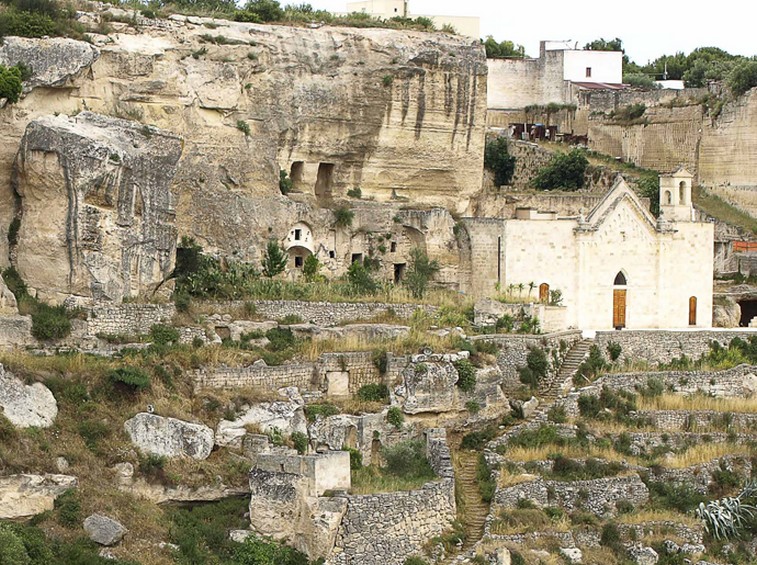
(544,293)
(619,301)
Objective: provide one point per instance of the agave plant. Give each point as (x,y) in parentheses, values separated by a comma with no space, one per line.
(724,518)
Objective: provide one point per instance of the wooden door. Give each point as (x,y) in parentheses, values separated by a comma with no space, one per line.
(619,308)
(693,311)
(544,293)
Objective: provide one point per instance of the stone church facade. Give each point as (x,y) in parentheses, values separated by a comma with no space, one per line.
(617,267)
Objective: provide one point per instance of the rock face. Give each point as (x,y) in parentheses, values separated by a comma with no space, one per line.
(104,530)
(8,305)
(169,437)
(400,114)
(53,61)
(286,417)
(726,315)
(96,206)
(26,405)
(23,496)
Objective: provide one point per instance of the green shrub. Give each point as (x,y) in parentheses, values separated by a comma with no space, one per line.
(25,24)
(244,127)
(557,415)
(132,379)
(68,509)
(160,334)
(373,392)
(629,113)
(498,160)
(486,482)
(478,439)
(355,193)
(92,432)
(7,430)
(614,350)
(473,407)
(565,171)
(285,183)
(343,217)
(310,268)
(610,537)
(536,368)
(300,442)
(280,338)
(591,367)
(420,272)
(466,372)
(395,417)
(742,77)
(356,458)
(152,466)
(257,551)
(50,322)
(313,411)
(12,549)
(274,259)
(408,459)
(415,561)
(360,279)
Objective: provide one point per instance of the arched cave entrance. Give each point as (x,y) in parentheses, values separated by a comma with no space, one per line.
(748,311)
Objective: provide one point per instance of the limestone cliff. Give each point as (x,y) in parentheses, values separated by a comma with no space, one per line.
(398,114)
(97,217)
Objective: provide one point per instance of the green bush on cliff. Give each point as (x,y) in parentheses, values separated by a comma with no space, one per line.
(10,81)
(565,171)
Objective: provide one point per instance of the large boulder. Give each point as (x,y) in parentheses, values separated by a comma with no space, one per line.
(429,386)
(26,406)
(23,496)
(97,209)
(104,530)
(726,314)
(286,417)
(169,437)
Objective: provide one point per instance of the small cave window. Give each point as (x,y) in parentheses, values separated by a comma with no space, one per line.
(298,261)
(297,235)
(620,279)
(357,258)
(399,272)
(393,246)
(332,254)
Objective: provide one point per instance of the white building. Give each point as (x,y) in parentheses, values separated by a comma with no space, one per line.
(464,25)
(617,267)
(554,77)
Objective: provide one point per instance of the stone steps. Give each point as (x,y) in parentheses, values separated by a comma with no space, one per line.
(475,509)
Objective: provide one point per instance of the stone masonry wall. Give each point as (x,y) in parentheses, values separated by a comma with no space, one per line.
(386,528)
(333,313)
(513,350)
(306,376)
(661,346)
(127,319)
(598,496)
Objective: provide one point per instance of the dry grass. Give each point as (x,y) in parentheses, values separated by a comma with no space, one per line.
(646,516)
(541,453)
(507,478)
(698,402)
(370,480)
(706,452)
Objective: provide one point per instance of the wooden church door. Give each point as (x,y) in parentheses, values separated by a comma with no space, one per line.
(619,308)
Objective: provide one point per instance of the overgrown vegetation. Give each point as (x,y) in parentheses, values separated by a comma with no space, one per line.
(10,83)
(503,49)
(536,368)
(420,272)
(499,161)
(406,467)
(564,172)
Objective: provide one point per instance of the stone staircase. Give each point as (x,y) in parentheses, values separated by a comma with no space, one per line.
(475,509)
(572,361)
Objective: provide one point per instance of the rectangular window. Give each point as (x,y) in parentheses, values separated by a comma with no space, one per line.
(393,246)
(298,261)
(588,72)
(297,235)
(332,254)
(357,258)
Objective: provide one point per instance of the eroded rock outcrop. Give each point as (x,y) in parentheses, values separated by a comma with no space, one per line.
(169,437)
(97,213)
(22,496)
(284,417)
(26,406)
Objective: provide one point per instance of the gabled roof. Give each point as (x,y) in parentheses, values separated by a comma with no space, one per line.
(620,192)
(679,172)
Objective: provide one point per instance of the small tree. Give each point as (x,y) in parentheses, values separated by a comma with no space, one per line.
(421,271)
(310,268)
(10,83)
(499,161)
(274,260)
(361,280)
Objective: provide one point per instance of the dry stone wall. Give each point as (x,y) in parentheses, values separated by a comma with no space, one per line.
(333,313)
(661,346)
(386,528)
(127,319)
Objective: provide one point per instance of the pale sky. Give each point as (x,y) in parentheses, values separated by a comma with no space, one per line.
(648,28)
